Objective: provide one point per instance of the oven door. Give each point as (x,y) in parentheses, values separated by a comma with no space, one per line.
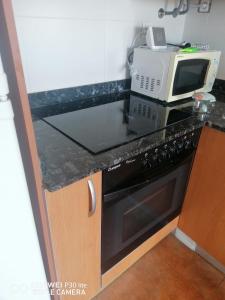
(131,215)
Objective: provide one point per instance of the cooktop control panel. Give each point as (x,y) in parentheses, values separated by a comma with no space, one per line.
(171,151)
(152,162)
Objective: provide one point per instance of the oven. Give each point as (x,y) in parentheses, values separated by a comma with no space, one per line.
(142,195)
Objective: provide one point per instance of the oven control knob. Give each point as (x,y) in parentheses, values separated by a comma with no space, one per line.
(194,143)
(172,150)
(168,155)
(147,163)
(163,155)
(154,159)
(188,144)
(180,145)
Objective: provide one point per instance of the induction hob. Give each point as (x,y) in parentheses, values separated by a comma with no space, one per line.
(106,126)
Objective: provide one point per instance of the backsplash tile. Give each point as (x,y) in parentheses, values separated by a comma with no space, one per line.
(73,43)
(72,94)
(69,95)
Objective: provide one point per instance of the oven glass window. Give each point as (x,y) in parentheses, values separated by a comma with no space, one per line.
(147,211)
(138,210)
(190,75)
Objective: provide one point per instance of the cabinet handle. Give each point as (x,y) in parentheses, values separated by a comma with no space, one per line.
(92,207)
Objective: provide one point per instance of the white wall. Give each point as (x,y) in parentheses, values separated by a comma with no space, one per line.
(208,28)
(76,42)
(22,275)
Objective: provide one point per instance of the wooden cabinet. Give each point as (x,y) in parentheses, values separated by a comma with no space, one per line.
(76,233)
(203,214)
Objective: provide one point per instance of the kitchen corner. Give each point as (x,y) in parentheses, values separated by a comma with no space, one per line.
(66,166)
(119,111)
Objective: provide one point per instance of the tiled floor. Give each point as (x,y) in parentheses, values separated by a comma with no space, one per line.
(170,271)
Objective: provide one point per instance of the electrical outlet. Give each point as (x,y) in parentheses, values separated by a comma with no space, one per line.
(204,6)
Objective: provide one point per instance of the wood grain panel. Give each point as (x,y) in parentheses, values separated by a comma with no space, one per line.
(203,214)
(129,260)
(76,236)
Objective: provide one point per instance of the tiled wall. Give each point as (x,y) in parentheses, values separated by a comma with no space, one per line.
(68,43)
(209,29)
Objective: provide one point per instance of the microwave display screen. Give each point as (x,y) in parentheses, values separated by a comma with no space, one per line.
(190,75)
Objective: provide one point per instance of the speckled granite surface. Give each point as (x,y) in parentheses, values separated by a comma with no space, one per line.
(216,117)
(60,108)
(71,95)
(64,162)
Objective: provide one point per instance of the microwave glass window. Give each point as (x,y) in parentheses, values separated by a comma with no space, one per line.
(190,76)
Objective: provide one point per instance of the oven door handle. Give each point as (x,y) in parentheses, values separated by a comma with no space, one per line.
(148,179)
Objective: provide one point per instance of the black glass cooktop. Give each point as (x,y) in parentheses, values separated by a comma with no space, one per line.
(106,126)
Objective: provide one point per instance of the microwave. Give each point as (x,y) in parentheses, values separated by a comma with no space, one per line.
(170,75)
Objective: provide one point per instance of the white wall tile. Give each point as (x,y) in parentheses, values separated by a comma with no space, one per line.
(119,36)
(58,53)
(80,9)
(77,42)
(141,10)
(209,29)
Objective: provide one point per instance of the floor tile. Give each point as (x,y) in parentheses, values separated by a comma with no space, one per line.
(167,272)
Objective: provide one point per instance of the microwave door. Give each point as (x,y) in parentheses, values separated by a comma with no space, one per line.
(190,76)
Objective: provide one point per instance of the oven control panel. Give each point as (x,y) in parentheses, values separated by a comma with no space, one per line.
(172,150)
(154,161)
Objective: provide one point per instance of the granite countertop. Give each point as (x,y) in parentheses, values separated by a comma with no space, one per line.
(64,162)
(216,118)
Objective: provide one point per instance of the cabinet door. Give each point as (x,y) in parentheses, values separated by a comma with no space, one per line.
(203,214)
(76,234)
